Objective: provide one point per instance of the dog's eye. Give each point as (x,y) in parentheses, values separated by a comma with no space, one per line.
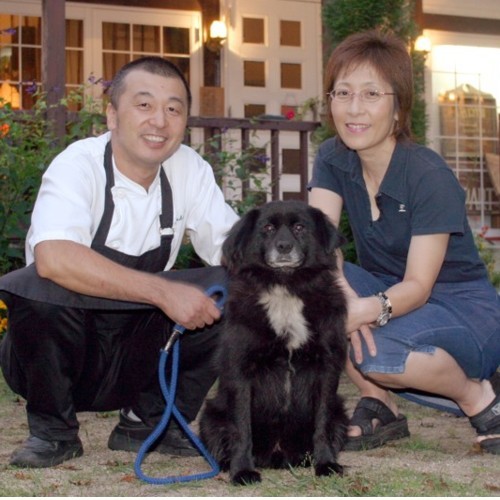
(268,228)
(298,228)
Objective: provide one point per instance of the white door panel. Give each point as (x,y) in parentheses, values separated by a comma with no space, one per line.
(272,53)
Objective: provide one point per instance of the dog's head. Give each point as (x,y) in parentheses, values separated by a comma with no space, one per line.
(281,236)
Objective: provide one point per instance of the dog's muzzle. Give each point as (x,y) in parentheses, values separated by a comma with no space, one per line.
(281,256)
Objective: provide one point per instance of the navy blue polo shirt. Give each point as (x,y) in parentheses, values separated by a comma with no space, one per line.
(419,195)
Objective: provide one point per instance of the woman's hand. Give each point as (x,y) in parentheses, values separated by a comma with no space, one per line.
(359,312)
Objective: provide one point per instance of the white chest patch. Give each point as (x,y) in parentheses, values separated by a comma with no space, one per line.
(284,312)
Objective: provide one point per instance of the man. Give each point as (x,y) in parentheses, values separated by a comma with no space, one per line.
(91,311)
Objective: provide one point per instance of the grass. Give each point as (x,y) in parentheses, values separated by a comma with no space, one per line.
(417,466)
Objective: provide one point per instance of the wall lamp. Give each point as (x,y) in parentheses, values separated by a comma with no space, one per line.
(217,36)
(423,44)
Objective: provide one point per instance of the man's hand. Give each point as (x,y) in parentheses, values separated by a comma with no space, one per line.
(187,305)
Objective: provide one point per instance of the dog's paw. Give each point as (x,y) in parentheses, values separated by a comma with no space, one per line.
(244,477)
(328,468)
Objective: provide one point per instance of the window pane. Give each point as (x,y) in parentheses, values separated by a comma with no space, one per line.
(254,73)
(8,29)
(31,31)
(176,40)
(31,61)
(290,33)
(146,38)
(291,77)
(115,36)
(252,110)
(291,161)
(9,94)
(74,67)
(9,63)
(112,63)
(183,64)
(253,30)
(27,97)
(74,33)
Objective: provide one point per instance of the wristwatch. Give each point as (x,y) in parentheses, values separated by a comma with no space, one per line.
(386,313)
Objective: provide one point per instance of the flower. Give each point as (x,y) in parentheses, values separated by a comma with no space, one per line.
(3,317)
(4,130)
(8,31)
(32,88)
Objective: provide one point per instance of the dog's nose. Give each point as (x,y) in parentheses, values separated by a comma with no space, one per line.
(284,246)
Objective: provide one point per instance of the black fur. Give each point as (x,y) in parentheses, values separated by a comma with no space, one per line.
(277,402)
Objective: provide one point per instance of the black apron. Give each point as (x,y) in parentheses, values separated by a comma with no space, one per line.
(27,283)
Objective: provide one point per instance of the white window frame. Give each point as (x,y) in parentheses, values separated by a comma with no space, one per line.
(93,15)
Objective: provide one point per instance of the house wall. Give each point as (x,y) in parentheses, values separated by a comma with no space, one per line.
(463,95)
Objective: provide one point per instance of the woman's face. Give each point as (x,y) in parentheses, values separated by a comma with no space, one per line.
(365,127)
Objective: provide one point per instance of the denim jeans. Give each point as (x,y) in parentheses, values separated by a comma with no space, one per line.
(461,318)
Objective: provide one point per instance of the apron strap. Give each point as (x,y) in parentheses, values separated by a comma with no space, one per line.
(167,206)
(109,206)
(167,209)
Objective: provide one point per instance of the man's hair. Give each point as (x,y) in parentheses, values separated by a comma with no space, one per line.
(389,57)
(152,64)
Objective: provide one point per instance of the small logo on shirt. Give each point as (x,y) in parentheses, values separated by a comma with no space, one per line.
(402,208)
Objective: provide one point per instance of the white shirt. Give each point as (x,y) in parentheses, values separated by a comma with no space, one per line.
(70,204)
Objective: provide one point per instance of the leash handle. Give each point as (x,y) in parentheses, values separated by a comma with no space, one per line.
(218,290)
(169,395)
(178,330)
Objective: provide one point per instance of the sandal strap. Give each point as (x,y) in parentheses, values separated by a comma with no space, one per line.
(369,409)
(488,421)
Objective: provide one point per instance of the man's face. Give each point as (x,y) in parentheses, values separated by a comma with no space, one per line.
(148,124)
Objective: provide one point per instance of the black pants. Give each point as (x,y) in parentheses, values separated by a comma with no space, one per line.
(65,360)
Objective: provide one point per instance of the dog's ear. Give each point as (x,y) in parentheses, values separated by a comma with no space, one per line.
(238,239)
(328,235)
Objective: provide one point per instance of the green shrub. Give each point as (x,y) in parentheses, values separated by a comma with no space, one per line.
(27,146)
(486,254)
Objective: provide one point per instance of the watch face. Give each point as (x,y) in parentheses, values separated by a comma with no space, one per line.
(383,320)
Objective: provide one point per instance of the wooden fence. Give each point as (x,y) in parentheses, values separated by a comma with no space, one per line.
(214,127)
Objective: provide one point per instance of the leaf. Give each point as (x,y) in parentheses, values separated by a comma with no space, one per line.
(128,478)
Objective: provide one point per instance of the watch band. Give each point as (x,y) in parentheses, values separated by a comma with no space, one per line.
(386,313)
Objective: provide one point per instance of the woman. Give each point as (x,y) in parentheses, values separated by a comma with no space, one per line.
(423,315)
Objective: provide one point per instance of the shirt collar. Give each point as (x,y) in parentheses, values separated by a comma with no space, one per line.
(394,182)
(124,181)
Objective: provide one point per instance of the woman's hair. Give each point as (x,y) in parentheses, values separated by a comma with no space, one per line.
(152,64)
(388,55)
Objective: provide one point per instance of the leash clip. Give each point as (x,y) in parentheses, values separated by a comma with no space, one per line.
(176,333)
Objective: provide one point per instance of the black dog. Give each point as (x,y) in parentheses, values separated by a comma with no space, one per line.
(283,349)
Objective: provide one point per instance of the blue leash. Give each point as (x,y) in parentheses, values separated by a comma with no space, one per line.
(169,395)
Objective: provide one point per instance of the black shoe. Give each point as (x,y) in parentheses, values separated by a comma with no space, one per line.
(129,435)
(36,452)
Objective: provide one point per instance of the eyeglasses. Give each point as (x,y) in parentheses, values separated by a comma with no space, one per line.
(366,95)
